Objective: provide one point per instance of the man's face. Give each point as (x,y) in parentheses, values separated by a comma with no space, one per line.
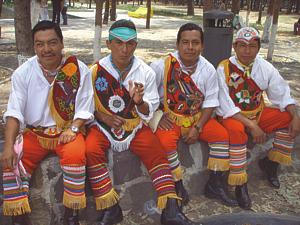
(48,48)
(190,46)
(246,52)
(121,51)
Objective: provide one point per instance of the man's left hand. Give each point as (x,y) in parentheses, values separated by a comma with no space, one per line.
(67,136)
(294,127)
(192,136)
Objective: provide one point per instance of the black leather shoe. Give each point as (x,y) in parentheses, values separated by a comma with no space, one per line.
(270,169)
(242,196)
(172,215)
(71,217)
(182,193)
(21,220)
(112,215)
(216,188)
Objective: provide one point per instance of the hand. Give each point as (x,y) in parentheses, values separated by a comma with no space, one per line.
(136,91)
(258,135)
(294,127)
(8,158)
(113,121)
(67,136)
(192,136)
(165,122)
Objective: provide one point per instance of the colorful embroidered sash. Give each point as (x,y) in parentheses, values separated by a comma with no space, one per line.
(111,99)
(243,91)
(183,100)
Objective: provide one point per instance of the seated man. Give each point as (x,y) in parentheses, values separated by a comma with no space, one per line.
(125,94)
(242,79)
(52,97)
(188,90)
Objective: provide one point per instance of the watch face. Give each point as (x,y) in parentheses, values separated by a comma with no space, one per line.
(74,129)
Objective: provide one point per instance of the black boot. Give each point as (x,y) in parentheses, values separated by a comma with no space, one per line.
(71,217)
(182,193)
(217,188)
(172,215)
(270,169)
(242,196)
(21,220)
(111,215)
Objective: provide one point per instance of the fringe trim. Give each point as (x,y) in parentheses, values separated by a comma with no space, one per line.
(218,164)
(237,179)
(177,173)
(48,143)
(120,146)
(280,158)
(107,200)
(16,207)
(162,200)
(74,202)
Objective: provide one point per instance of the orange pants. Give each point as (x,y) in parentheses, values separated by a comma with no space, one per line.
(72,160)
(271,120)
(146,146)
(213,133)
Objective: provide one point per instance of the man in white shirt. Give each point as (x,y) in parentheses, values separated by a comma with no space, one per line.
(51,99)
(188,91)
(242,79)
(125,94)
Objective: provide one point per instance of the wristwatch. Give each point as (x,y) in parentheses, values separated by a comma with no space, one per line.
(74,129)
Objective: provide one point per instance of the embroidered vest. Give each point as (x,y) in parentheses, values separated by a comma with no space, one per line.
(243,91)
(183,100)
(111,98)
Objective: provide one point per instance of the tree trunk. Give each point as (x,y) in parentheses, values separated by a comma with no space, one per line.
(248,12)
(235,7)
(106,12)
(148,14)
(190,8)
(90,4)
(268,22)
(69,2)
(290,6)
(260,12)
(98,30)
(297,7)
(276,9)
(208,5)
(1,2)
(113,12)
(24,40)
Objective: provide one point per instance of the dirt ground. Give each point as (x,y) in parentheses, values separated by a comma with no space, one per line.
(155,43)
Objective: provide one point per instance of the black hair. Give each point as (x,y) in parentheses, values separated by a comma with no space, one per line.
(123,23)
(189,27)
(47,25)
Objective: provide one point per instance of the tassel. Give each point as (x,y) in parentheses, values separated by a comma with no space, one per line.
(74,202)
(107,200)
(177,173)
(162,200)
(237,179)
(277,156)
(48,143)
(218,164)
(16,207)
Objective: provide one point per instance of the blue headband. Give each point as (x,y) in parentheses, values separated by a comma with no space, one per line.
(123,33)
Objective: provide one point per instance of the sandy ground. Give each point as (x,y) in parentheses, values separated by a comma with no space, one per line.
(155,43)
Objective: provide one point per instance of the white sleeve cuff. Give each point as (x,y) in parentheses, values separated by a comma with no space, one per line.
(147,118)
(210,103)
(14,114)
(232,112)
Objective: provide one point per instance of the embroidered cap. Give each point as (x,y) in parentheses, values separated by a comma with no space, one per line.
(247,34)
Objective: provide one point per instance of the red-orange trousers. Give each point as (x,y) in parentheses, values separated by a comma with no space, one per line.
(271,120)
(146,146)
(213,133)
(72,160)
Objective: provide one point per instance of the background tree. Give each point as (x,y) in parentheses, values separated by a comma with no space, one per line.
(208,5)
(148,14)
(106,12)
(113,12)
(22,21)
(260,12)
(235,7)
(190,8)
(98,30)
(276,9)
(268,22)
(248,12)
(1,2)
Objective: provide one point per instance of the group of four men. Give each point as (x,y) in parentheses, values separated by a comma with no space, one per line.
(116,99)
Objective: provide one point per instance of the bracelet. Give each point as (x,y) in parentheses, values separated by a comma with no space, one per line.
(140,103)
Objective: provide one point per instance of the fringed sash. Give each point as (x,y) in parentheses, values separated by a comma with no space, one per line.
(243,91)
(113,99)
(183,100)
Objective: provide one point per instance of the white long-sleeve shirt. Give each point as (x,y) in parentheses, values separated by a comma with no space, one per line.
(204,77)
(267,78)
(28,100)
(140,72)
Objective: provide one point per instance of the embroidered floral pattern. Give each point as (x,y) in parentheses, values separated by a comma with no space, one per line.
(116,104)
(101,84)
(69,69)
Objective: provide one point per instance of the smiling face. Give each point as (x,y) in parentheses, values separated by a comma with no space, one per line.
(190,46)
(246,51)
(48,47)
